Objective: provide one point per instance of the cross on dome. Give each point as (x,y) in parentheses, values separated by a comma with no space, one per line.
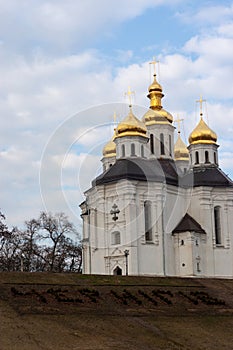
(129,93)
(201,104)
(154,62)
(178,121)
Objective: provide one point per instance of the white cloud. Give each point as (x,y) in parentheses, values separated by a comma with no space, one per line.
(226,30)
(219,49)
(207,15)
(60,25)
(225,161)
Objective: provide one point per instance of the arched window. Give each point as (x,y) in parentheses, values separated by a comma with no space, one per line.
(207,157)
(215,158)
(152,144)
(162,148)
(116,238)
(182,242)
(123,150)
(142,151)
(132,149)
(217,224)
(148,223)
(197,157)
(170,145)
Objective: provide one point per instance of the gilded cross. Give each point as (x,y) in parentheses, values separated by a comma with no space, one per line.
(178,121)
(154,62)
(129,93)
(114,211)
(201,104)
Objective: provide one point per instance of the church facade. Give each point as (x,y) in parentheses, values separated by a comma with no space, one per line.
(159,208)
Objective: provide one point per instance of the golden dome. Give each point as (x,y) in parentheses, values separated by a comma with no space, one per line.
(166,114)
(202,134)
(109,149)
(155,95)
(131,126)
(154,117)
(180,150)
(155,86)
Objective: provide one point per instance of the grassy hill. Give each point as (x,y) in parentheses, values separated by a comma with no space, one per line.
(69,311)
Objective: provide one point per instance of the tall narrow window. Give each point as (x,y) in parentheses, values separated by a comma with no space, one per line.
(197,157)
(116,237)
(207,157)
(96,227)
(217,224)
(170,145)
(123,150)
(148,224)
(152,144)
(142,151)
(132,149)
(162,148)
(215,158)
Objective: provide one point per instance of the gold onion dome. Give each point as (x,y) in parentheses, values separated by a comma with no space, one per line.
(180,150)
(155,95)
(202,134)
(131,126)
(155,86)
(154,117)
(109,149)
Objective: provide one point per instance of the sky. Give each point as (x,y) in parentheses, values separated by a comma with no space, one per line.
(64,70)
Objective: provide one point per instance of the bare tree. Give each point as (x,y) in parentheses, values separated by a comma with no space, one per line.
(44,245)
(3,226)
(74,257)
(30,249)
(11,250)
(56,228)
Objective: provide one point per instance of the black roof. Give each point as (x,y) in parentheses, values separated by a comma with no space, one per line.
(188,223)
(161,170)
(210,176)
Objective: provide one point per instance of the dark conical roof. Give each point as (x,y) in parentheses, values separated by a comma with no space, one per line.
(187,223)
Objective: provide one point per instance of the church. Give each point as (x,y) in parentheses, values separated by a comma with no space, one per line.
(159,208)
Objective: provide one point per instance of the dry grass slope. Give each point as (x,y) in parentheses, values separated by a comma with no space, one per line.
(69,311)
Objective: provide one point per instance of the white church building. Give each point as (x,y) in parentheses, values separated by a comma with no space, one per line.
(159,208)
